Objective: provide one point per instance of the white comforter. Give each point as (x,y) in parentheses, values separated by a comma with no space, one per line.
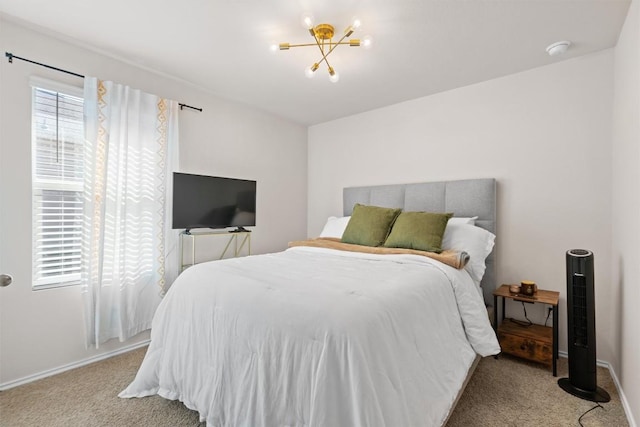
(316,337)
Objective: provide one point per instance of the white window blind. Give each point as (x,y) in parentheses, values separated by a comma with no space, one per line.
(57,187)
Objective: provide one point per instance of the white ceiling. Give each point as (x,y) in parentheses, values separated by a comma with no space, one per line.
(419,47)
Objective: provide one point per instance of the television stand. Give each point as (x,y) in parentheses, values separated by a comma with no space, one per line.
(238,243)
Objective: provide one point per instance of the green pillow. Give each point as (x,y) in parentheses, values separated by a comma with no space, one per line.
(369,225)
(418,230)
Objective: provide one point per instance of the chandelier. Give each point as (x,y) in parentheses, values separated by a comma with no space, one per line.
(323,38)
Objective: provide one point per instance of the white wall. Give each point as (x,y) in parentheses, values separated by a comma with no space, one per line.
(544,134)
(626,208)
(44,330)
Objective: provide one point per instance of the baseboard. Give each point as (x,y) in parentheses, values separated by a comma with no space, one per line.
(61,369)
(623,398)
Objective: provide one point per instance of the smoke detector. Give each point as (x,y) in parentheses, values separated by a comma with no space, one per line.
(558,48)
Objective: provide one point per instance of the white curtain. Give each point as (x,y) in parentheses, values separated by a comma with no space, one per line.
(129,252)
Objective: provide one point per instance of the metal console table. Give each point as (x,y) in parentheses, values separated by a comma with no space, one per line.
(240,240)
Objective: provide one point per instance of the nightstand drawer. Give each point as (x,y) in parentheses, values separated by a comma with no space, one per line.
(532,343)
(526,348)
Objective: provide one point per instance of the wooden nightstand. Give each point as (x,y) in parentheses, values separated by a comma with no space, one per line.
(536,342)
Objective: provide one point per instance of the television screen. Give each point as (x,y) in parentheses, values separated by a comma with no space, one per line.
(201,201)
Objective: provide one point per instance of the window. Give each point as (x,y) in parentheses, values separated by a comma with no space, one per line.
(57,185)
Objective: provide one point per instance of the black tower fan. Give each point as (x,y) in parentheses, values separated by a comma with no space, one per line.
(581,319)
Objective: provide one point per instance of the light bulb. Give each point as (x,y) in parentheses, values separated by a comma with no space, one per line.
(355,24)
(310,71)
(366,42)
(334,77)
(274,47)
(307,21)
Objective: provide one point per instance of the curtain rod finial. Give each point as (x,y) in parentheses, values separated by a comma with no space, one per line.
(10,56)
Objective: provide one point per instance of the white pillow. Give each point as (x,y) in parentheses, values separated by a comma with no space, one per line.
(475,241)
(461,220)
(335,227)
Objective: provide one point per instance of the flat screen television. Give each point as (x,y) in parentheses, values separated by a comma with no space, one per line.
(201,201)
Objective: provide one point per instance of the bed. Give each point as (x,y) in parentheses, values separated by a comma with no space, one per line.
(315,336)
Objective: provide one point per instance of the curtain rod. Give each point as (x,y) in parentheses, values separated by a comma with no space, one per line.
(11,57)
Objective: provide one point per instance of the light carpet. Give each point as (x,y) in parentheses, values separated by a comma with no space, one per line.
(502,392)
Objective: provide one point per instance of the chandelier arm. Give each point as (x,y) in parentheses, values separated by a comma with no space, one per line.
(326,61)
(317,42)
(321,47)
(314,44)
(302,45)
(324,55)
(324,58)
(333,45)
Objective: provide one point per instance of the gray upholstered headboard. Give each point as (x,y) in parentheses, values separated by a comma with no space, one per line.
(465,198)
